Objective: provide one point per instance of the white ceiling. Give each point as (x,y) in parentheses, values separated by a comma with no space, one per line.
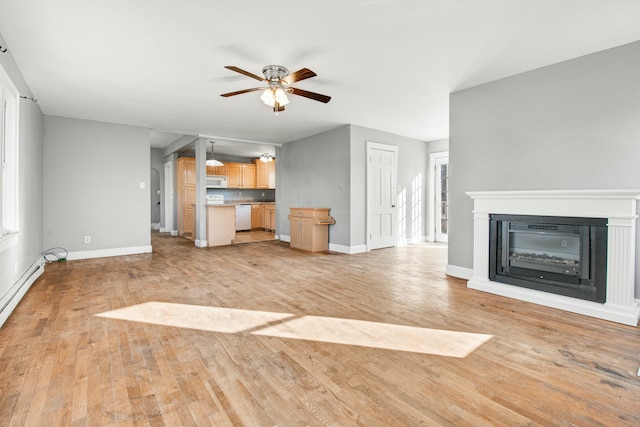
(388,64)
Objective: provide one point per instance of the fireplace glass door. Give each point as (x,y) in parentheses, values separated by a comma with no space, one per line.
(544,248)
(561,255)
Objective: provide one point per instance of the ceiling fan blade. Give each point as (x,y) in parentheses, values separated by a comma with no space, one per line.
(239,92)
(310,95)
(301,74)
(246,73)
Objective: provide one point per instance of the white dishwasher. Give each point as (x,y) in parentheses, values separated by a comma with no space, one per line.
(243,217)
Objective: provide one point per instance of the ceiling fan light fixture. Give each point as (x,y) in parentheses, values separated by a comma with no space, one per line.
(271,96)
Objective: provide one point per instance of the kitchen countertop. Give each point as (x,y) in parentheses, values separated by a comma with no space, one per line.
(236,203)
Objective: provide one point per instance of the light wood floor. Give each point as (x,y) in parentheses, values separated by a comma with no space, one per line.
(61,364)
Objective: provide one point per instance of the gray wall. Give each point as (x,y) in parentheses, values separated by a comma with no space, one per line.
(29,247)
(572,125)
(309,172)
(92,176)
(412,162)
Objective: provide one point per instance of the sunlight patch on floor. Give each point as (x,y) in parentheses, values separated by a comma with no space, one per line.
(378,335)
(214,319)
(313,328)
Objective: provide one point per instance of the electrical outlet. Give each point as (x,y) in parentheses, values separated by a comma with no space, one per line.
(87,239)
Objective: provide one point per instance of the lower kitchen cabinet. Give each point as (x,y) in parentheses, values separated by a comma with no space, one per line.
(256,217)
(270,217)
(310,229)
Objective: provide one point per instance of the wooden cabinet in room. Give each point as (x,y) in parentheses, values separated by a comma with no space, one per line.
(269,217)
(241,175)
(217,170)
(310,229)
(265,174)
(256,217)
(186,189)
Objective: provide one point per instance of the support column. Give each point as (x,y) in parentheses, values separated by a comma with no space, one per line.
(200,209)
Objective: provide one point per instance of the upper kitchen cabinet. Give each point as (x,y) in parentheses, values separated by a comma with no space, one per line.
(217,170)
(241,175)
(265,174)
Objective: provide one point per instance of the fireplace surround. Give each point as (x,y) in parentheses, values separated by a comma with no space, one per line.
(615,210)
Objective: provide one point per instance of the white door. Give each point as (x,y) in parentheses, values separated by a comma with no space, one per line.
(442,198)
(381,195)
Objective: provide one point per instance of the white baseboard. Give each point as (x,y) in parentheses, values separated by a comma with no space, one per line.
(334,246)
(627,315)
(349,250)
(459,272)
(12,297)
(174,233)
(201,243)
(102,253)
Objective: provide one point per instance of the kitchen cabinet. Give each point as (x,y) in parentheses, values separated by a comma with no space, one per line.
(241,175)
(217,170)
(186,189)
(256,216)
(310,229)
(265,174)
(270,217)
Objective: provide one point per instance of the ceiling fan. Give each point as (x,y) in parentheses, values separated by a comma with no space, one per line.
(278,80)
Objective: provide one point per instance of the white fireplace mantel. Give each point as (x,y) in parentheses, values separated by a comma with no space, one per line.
(618,206)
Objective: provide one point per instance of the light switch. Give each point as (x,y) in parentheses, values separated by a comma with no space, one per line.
(142,185)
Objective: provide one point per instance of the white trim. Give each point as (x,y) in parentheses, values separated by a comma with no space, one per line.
(285,238)
(201,243)
(102,253)
(432,193)
(627,315)
(174,233)
(349,250)
(8,240)
(10,300)
(459,272)
(370,145)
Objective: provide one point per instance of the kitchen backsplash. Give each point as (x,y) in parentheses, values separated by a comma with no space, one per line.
(239,194)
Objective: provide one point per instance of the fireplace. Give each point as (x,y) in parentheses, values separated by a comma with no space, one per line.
(575,223)
(562,255)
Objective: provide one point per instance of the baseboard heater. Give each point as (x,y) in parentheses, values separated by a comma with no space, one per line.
(12,297)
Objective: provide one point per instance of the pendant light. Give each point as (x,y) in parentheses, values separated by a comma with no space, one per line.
(212,161)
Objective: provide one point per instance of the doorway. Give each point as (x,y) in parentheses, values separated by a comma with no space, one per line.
(381,195)
(168,199)
(440,212)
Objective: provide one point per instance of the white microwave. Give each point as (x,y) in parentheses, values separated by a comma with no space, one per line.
(216,181)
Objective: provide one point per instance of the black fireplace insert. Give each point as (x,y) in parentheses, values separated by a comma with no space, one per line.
(561,255)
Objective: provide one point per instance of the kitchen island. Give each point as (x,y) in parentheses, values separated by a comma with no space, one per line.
(221,224)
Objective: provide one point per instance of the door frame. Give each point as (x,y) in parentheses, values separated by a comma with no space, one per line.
(168,198)
(387,147)
(433,197)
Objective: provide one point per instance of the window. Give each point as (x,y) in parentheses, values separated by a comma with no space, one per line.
(9,98)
